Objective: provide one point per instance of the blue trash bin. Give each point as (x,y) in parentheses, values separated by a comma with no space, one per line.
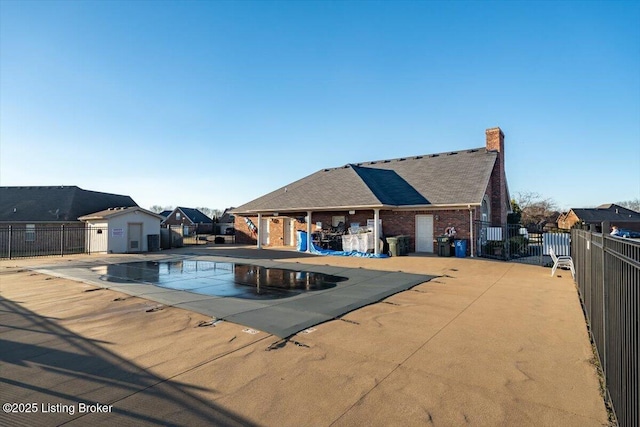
(302,241)
(461,248)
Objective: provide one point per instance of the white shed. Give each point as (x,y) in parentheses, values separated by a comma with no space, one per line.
(128,230)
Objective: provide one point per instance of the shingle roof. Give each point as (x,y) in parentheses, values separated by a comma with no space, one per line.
(608,212)
(55,204)
(438,179)
(111,212)
(196,216)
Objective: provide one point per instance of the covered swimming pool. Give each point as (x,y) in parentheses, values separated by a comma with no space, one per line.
(221,279)
(274,296)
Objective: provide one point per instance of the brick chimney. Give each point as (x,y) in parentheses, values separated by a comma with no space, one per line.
(495,140)
(498,185)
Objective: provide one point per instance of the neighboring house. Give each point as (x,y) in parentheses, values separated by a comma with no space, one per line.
(43,220)
(226,222)
(594,217)
(128,230)
(551,223)
(192,220)
(547,224)
(419,196)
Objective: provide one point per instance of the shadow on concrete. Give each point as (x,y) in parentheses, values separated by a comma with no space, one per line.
(46,364)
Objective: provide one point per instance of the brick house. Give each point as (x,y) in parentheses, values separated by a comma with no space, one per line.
(418,196)
(226,222)
(192,220)
(611,213)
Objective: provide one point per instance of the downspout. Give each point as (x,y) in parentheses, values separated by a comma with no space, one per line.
(471,239)
(309,243)
(376,231)
(259,236)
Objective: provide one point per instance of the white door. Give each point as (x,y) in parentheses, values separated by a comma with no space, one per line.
(134,237)
(287,237)
(264,231)
(424,233)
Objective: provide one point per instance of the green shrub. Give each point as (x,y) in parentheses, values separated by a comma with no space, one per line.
(493,248)
(518,245)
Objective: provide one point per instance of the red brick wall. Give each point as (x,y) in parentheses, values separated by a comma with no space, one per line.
(243,234)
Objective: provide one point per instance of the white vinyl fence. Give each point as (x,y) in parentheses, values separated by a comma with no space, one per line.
(560,242)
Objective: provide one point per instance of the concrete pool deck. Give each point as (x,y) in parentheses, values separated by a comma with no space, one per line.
(486,343)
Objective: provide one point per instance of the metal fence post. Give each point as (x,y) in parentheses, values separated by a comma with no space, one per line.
(62,240)
(10,239)
(507,246)
(605,295)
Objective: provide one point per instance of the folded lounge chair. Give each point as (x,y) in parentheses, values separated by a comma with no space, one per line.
(561,261)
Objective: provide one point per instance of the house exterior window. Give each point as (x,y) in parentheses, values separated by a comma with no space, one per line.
(178,216)
(486,212)
(30,233)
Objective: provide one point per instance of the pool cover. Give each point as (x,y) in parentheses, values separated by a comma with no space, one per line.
(282,315)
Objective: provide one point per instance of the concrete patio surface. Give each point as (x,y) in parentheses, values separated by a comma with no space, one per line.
(485,343)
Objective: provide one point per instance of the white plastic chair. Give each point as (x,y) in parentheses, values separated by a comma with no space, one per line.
(561,261)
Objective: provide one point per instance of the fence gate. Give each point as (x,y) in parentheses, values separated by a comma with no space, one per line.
(516,243)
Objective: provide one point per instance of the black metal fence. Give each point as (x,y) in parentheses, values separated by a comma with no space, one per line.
(513,242)
(608,278)
(34,241)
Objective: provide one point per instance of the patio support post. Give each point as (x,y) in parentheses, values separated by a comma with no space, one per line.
(259,234)
(376,231)
(309,243)
(471,243)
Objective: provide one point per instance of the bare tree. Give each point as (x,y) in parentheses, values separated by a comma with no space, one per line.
(158,208)
(535,208)
(211,213)
(634,204)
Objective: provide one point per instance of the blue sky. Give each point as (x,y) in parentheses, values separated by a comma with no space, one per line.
(197,103)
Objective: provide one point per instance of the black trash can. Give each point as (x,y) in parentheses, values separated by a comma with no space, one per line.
(444,246)
(153,242)
(403,245)
(401,248)
(407,244)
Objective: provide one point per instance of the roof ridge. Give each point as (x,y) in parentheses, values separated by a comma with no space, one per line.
(414,157)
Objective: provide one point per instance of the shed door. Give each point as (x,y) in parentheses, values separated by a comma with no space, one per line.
(134,237)
(424,233)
